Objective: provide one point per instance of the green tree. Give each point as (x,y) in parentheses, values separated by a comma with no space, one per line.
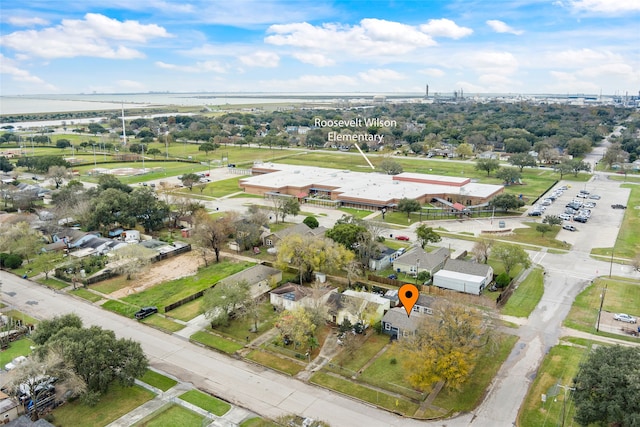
(63,143)
(223,299)
(578,147)
(509,175)
(506,202)
(446,347)
(543,228)
(49,327)
(296,326)
(563,168)
(109,181)
(98,357)
(426,235)
(5,164)
(390,167)
(510,256)
(408,205)
(154,152)
(578,165)
(487,165)
(188,179)
(148,211)
(347,234)
(614,154)
(523,159)
(207,146)
(552,220)
(311,222)
(464,150)
(606,387)
(291,207)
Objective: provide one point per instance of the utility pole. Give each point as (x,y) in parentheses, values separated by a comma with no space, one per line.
(604,291)
(564,400)
(611,263)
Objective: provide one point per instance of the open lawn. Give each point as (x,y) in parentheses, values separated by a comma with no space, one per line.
(85,294)
(154,170)
(216,189)
(216,342)
(621,296)
(362,392)
(53,283)
(356,213)
(172,415)
(533,237)
(388,373)
(169,292)
(243,327)
(186,311)
(121,308)
(157,380)
(349,364)
(21,347)
(559,366)
(527,296)
(116,402)
(163,323)
(270,360)
(628,241)
(258,422)
(206,402)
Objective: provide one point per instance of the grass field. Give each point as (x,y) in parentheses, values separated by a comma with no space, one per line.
(21,347)
(18,315)
(559,366)
(158,380)
(163,323)
(206,402)
(527,296)
(187,311)
(350,364)
(621,296)
(216,189)
(155,170)
(242,328)
(121,308)
(111,285)
(169,292)
(172,415)
(116,402)
(365,393)
(216,342)
(258,422)
(273,361)
(53,283)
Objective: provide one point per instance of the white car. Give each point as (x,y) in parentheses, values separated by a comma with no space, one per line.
(624,318)
(566,217)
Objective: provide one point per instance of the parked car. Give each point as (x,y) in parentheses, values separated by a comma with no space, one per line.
(618,206)
(583,195)
(582,219)
(145,312)
(405,238)
(594,197)
(624,318)
(566,216)
(535,213)
(568,227)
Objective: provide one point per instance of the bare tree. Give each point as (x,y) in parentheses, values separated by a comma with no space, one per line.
(481,250)
(212,233)
(58,174)
(131,259)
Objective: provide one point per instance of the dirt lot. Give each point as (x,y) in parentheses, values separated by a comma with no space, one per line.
(173,268)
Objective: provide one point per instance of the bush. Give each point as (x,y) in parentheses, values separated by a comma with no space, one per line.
(10,261)
(393,361)
(311,222)
(502,280)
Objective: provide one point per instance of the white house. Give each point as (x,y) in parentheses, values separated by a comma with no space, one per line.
(357,306)
(463,276)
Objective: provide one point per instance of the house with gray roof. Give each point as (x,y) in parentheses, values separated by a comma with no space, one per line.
(259,277)
(291,296)
(464,276)
(271,239)
(398,325)
(417,260)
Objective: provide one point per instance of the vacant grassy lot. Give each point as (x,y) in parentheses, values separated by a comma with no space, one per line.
(158,380)
(216,189)
(533,237)
(216,342)
(559,366)
(116,402)
(53,283)
(206,402)
(121,308)
(527,296)
(172,415)
(621,296)
(350,364)
(155,170)
(186,311)
(111,285)
(21,347)
(270,360)
(242,328)
(365,393)
(169,292)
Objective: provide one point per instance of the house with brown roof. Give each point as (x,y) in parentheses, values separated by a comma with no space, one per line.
(291,296)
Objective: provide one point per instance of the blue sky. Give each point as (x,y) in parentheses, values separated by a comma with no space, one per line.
(479,46)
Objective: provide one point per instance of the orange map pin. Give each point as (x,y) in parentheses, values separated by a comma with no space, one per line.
(408,295)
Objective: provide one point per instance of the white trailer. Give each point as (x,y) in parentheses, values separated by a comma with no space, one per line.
(460,282)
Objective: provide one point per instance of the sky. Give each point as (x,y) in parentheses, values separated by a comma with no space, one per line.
(477,46)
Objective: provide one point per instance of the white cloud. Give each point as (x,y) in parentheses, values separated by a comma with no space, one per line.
(380,75)
(260,59)
(9,67)
(369,38)
(433,72)
(316,59)
(577,57)
(493,62)
(94,36)
(445,28)
(198,67)
(501,27)
(311,83)
(568,82)
(605,6)
(21,21)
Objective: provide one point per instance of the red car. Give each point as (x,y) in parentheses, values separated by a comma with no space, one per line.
(402,238)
